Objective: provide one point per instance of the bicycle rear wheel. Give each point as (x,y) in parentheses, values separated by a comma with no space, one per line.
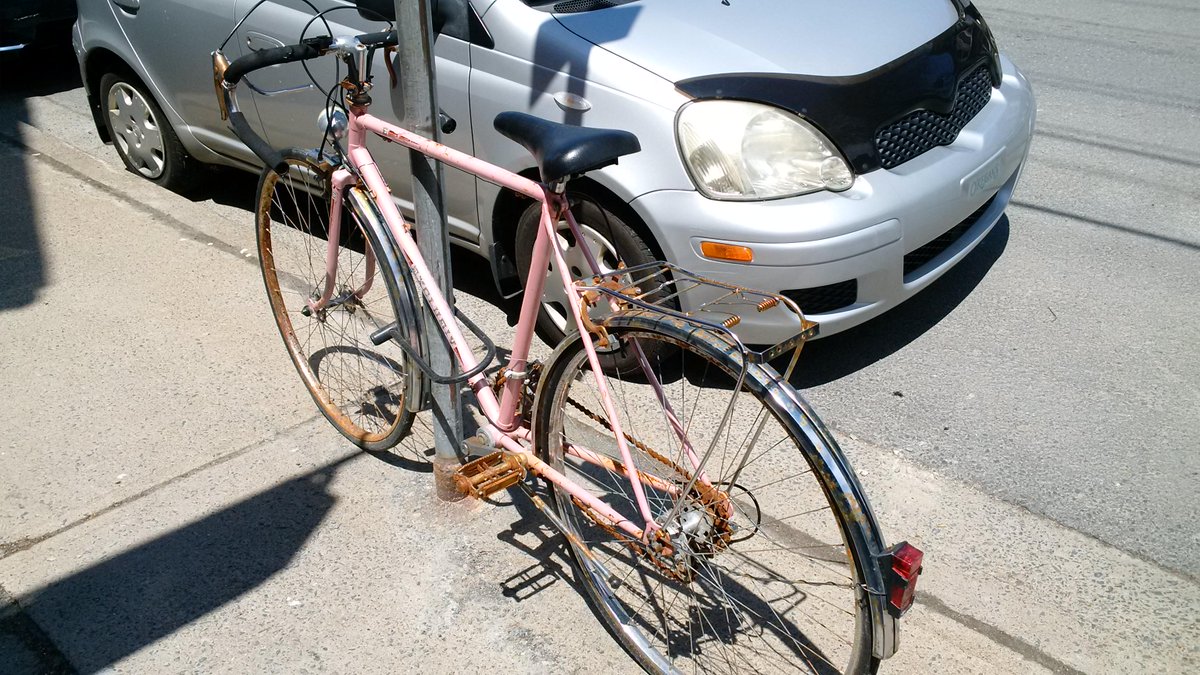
(772,582)
(358,386)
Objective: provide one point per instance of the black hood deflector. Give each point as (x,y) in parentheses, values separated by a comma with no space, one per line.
(849,110)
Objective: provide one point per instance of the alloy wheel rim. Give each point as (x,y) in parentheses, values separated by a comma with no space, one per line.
(555,302)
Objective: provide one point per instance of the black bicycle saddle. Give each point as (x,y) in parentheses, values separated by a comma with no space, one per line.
(561,150)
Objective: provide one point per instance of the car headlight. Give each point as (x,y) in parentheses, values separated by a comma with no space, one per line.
(738,150)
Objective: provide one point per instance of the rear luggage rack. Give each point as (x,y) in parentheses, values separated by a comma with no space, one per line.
(662,287)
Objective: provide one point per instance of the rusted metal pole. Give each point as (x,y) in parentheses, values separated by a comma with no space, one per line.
(418,89)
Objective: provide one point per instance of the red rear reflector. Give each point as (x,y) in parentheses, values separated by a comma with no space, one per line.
(902,582)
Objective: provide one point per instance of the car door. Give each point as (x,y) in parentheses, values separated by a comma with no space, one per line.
(290,119)
(172,41)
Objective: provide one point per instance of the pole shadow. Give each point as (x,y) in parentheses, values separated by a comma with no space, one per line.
(554,56)
(45,68)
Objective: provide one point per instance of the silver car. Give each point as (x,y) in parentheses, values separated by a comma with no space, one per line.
(844,154)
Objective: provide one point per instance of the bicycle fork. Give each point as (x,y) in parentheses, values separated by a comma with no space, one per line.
(340,180)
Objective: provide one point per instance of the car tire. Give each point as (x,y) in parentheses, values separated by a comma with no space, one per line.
(141,134)
(607,232)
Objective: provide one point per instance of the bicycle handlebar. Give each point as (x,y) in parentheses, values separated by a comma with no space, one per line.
(384,38)
(249,63)
(244,65)
(270,156)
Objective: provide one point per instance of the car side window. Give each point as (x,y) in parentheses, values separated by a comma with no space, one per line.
(458,19)
(477,32)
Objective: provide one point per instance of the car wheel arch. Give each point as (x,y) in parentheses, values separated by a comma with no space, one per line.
(100,61)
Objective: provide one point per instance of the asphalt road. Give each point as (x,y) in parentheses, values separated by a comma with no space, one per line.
(1057,368)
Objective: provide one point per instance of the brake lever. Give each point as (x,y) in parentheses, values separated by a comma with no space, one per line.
(445,122)
(387,61)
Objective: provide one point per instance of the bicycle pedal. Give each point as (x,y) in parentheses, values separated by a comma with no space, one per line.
(490,474)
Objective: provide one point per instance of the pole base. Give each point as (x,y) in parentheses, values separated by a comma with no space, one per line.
(444,470)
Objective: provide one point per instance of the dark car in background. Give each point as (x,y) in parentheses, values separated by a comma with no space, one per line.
(24,22)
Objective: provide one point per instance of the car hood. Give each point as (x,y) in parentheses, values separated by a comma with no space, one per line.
(679,39)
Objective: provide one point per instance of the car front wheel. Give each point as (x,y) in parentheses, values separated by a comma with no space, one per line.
(141,134)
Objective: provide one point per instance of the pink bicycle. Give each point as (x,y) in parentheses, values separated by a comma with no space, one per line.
(713,519)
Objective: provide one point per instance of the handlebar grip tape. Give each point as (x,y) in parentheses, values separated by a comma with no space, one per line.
(381,39)
(249,63)
(265,152)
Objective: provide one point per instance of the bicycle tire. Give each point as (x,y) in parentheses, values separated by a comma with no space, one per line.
(720,614)
(359,387)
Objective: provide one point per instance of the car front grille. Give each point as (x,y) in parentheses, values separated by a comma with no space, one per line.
(822,299)
(924,130)
(918,258)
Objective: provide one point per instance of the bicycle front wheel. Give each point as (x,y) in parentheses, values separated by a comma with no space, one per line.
(326,323)
(759,566)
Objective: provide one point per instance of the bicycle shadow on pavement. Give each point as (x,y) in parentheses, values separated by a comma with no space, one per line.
(124,603)
(531,534)
(835,357)
(415,450)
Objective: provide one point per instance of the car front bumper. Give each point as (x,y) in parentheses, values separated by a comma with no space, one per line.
(933,209)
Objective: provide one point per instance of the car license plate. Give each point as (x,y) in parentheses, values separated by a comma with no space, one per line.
(987,178)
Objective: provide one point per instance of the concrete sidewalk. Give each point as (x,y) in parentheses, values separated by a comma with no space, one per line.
(171,502)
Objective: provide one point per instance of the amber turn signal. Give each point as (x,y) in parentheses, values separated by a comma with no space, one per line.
(712,249)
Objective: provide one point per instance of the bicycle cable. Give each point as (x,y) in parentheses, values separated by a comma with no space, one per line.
(260,3)
(317,15)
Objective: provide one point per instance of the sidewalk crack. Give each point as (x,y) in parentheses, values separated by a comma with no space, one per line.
(1016,644)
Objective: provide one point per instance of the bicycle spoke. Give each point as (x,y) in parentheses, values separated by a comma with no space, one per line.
(358,385)
(766,597)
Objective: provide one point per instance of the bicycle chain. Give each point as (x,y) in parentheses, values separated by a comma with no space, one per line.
(708,496)
(599,419)
(677,570)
